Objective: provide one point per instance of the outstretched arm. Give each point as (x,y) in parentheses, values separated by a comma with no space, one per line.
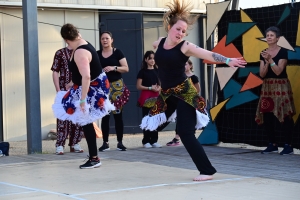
(190,49)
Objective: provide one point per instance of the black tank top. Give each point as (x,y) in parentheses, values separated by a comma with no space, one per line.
(171,65)
(95,65)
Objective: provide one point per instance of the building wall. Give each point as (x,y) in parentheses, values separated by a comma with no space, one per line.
(138,5)
(12,64)
(55,13)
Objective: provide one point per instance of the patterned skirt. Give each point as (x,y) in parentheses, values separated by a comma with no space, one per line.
(67,107)
(186,92)
(147,99)
(118,95)
(276,96)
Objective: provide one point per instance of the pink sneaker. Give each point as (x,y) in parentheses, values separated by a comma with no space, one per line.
(173,143)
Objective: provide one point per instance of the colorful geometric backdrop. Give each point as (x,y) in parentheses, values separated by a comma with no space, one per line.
(241,32)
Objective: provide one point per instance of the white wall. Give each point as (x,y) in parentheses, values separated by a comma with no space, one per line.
(12,64)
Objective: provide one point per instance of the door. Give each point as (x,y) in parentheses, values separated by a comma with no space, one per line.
(127,31)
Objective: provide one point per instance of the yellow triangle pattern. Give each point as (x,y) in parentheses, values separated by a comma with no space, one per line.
(293,72)
(251,45)
(215,110)
(298,32)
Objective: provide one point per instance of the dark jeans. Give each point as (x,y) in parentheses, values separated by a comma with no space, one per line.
(90,136)
(186,121)
(286,128)
(149,136)
(119,126)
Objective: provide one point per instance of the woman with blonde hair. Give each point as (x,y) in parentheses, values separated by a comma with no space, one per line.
(178,97)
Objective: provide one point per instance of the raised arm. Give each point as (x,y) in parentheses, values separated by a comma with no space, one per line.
(190,49)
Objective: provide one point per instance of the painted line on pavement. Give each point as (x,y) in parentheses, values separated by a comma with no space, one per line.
(46,161)
(161,185)
(38,190)
(17,193)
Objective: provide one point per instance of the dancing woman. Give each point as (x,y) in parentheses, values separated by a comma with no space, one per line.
(87,100)
(178,97)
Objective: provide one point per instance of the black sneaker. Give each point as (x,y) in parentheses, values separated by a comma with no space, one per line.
(121,147)
(91,163)
(270,149)
(287,149)
(105,147)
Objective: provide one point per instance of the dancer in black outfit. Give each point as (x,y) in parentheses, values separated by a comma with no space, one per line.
(87,100)
(195,80)
(177,93)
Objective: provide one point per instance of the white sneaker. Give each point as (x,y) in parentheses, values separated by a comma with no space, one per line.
(76,148)
(147,145)
(156,145)
(59,150)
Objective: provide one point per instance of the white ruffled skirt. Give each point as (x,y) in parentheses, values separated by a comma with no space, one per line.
(67,107)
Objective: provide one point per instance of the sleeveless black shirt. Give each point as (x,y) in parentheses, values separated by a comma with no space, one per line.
(171,65)
(95,65)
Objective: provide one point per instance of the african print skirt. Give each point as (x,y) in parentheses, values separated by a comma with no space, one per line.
(118,95)
(147,98)
(276,96)
(67,107)
(186,92)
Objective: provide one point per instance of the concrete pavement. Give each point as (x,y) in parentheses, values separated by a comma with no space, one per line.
(156,173)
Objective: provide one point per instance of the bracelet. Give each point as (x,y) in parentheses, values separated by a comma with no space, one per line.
(82,101)
(227,61)
(273,64)
(149,88)
(116,68)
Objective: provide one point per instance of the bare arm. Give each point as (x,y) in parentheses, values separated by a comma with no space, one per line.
(83,58)
(156,43)
(55,77)
(263,68)
(139,86)
(278,68)
(190,49)
(122,68)
(197,86)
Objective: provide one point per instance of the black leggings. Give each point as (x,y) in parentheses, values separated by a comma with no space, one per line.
(186,121)
(149,136)
(119,126)
(90,136)
(286,128)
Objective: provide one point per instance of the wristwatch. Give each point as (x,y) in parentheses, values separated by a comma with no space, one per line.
(116,68)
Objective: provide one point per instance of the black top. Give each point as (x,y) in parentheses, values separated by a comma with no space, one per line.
(194,79)
(149,77)
(171,65)
(282,54)
(112,60)
(95,65)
